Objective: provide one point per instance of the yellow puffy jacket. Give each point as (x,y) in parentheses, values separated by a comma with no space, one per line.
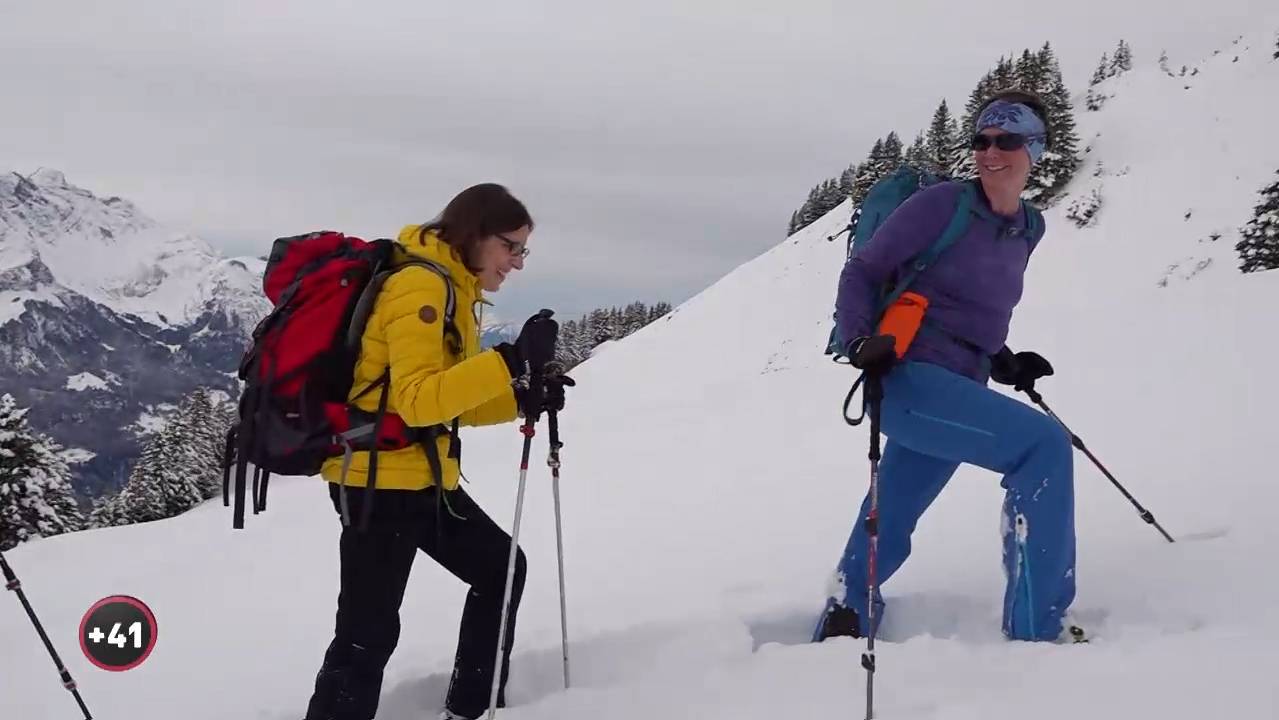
(429,385)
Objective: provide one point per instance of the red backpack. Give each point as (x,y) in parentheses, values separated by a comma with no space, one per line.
(299,367)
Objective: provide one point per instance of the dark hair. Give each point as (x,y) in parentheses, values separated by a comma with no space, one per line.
(1030,100)
(474,214)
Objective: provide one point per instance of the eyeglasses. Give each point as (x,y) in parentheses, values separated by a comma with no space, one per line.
(1006,142)
(515,248)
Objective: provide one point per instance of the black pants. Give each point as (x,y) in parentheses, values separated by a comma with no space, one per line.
(375,570)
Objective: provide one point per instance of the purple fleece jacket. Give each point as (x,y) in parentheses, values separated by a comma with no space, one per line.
(972,287)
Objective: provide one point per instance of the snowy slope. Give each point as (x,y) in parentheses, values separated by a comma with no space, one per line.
(709,485)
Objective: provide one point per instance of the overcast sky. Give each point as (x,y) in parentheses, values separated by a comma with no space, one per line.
(658,144)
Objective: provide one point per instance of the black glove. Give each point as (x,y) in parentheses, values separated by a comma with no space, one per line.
(511,356)
(555,384)
(1020,370)
(545,393)
(875,354)
(531,398)
(536,343)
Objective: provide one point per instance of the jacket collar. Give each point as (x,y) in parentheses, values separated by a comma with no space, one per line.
(429,246)
(983,209)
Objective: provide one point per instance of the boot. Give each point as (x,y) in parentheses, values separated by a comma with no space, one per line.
(841,621)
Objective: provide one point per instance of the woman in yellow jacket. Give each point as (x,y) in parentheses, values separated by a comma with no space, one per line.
(434,377)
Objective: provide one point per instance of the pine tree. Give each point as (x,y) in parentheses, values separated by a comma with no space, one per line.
(568,344)
(207,422)
(619,322)
(846,179)
(635,317)
(1163,62)
(1059,164)
(578,338)
(942,140)
(808,212)
(829,198)
(177,469)
(867,173)
(1102,72)
(36,499)
(917,153)
(1005,75)
(1122,61)
(1259,246)
(884,158)
(1094,100)
(1031,73)
(601,328)
(891,156)
(139,500)
(1047,71)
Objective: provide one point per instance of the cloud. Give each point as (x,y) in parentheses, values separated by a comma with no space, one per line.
(659,144)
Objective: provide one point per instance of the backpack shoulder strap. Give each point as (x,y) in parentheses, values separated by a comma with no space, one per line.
(955,229)
(450,299)
(452,336)
(1034,226)
(383,270)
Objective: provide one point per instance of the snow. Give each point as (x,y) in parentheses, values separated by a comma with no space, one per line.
(112,253)
(86,381)
(709,484)
(603,347)
(14,302)
(73,456)
(153,420)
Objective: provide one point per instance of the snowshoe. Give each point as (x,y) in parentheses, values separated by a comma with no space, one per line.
(840,621)
(1071,632)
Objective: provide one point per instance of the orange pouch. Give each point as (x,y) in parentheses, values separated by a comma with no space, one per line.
(902,320)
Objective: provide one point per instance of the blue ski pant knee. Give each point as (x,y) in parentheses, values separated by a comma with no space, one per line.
(935,420)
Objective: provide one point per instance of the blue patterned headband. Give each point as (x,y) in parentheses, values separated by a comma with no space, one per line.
(1016,118)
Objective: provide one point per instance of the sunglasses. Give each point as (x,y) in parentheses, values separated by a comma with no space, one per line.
(1006,142)
(515,248)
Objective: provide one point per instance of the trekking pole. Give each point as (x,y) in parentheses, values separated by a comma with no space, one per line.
(528,430)
(874,397)
(553,424)
(12,583)
(1074,440)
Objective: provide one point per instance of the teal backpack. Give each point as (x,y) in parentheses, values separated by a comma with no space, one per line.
(884,197)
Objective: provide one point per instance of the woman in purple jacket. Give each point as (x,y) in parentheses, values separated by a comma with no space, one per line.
(937,410)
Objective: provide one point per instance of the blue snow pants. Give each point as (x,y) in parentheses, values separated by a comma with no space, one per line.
(934,420)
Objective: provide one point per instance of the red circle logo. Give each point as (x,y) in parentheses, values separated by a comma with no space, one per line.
(118,633)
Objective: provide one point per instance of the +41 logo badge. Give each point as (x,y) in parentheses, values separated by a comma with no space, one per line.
(118,633)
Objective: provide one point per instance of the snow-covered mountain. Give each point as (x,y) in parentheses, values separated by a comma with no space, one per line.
(709,484)
(111,253)
(106,316)
(497,331)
